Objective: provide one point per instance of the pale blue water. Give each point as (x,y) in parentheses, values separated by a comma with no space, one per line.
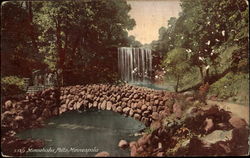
(165,87)
(73,133)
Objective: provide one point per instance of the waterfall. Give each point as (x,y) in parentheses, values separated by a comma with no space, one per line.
(135,64)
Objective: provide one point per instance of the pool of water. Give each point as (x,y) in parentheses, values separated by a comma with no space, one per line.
(84,134)
(166,87)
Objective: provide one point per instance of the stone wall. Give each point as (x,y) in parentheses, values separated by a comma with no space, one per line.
(143,104)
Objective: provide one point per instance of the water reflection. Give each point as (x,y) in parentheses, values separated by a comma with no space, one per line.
(87,130)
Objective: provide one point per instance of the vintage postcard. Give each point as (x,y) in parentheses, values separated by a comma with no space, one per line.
(124,78)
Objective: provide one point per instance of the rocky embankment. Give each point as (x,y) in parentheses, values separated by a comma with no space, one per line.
(165,113)
(31,112)
(208,131)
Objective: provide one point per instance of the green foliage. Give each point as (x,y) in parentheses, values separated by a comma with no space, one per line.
(191,78)
(233,85)
(12,85)
(176,64)
(78,37)
(18,50)
(215,36)
(148,130)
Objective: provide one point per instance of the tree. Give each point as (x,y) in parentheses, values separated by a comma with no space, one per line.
(214,33)
(19,55)
(133,42)
(78,36)
(176,64)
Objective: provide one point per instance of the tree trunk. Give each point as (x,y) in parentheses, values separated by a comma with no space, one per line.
(177,84)
(60,53)
(210,80)
(76,43)
(32,32)
(202,75)
(206,78)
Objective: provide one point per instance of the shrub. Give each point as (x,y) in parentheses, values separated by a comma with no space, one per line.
(232,85)
(12,85)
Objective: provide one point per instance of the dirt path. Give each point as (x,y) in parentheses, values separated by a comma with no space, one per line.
(239,110)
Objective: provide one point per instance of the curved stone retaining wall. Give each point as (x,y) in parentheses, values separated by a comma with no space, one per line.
(143,104)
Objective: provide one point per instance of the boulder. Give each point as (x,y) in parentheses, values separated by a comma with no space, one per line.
(144,107)
(156,102)
(123,144)
(109,105)
(90,105)
(103,105)
(154,108)
(136,96)
(164,113)
(160,154)
(237,122)
(8,104)
(40,120)
(125,99)
(133,143)
(137,116)
(19,118)
(133,151)
(190,99)
(139,105)
(209,124)
(133,106)
(131,112)
(46,113)
(35,110)
(89,96)
(155,116)
(126,110)
(102,154)
(188,93)
(78,105)
(55,111)
(119,109)
(146,113)
(149,108)
(62,110)
(95,104)
(145,120)
(144,139)
(177,110)
(123,105)
(138,111)
(114,108)
(161,103)
(118,98)
(155,125)
(217,136)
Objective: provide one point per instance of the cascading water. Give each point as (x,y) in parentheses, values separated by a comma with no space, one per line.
(135,64)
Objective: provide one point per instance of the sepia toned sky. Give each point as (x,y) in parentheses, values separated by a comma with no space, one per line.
(150,15)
